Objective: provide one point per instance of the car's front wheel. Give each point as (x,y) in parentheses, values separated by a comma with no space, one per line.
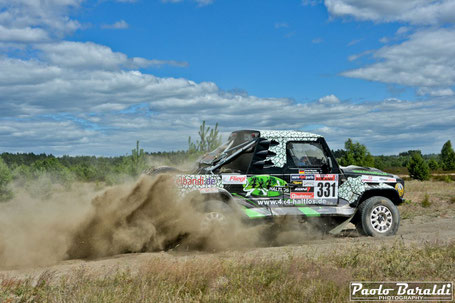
(217,217)
(378,217)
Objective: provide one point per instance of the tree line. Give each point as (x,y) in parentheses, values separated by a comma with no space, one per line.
(418,166)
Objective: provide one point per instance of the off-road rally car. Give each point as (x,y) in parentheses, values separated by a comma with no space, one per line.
(272,174)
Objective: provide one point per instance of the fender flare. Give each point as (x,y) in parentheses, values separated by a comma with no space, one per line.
(389,193)
(222,193)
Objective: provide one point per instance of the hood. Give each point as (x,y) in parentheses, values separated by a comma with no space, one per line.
(355,171)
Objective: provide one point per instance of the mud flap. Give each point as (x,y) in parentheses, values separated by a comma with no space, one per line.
(339,228)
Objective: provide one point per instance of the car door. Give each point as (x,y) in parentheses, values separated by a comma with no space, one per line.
(309,175)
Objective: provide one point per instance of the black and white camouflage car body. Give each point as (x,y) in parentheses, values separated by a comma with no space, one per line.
(287,173)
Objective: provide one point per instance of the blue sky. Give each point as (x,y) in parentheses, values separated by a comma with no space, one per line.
(268,48)
(92,77)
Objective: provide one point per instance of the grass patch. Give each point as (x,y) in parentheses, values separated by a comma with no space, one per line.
(439,196)
(426,201)
(444,178)
(284,279)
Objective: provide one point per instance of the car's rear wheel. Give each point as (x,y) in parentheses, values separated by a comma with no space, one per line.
(378,217)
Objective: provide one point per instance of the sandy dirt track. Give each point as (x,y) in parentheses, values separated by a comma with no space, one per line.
(417,231)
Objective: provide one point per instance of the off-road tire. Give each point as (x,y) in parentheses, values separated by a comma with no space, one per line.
(378,217)
(215,212)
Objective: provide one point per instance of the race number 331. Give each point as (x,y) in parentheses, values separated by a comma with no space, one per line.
(325,186)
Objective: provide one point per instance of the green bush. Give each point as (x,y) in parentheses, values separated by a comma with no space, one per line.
(426,201)
(418,168)
(433,164)
(5,179)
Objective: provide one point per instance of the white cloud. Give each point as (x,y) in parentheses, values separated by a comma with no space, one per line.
(402,30)
(167,110)
(204,2)
(317,40)
(35,20)
(412,11)
(354,42)
(26,34)
(425,60)
(88,55)
(329,99)
(281,25)
(117,25)
(443,92)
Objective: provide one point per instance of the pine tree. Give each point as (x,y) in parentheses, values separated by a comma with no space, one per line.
(447,156)
(433,164)
(209,139)
(138,159)
(418,168)
(5,179)
(356,154)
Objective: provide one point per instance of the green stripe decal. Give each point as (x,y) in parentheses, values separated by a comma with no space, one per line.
(252,213)
(368,172)
(309,212)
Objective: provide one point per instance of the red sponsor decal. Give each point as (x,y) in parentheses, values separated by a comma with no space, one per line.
(302,195)
(237,179)
(325,177)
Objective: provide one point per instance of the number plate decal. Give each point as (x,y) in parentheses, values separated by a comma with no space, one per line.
(319,189)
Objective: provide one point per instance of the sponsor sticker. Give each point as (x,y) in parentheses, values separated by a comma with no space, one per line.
(301,177)
(280,188)
(401,291)
(377,179)
(328,177)
(195,180)
(302,195)
(378,173)
(295,202)
(307,189)
(234,179)
(400,189)
(307,183)
(308,171)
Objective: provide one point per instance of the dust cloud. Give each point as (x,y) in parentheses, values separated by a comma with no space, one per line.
(142,216)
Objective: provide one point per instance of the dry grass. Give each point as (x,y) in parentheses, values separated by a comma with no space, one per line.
(289,279)
(430,198)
